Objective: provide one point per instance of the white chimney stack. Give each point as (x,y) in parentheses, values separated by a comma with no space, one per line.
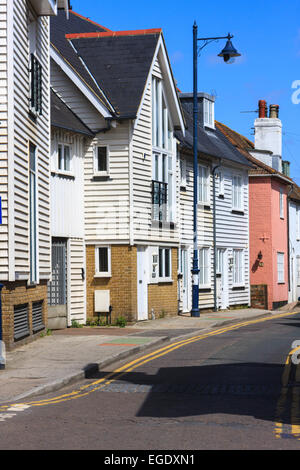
(268,136)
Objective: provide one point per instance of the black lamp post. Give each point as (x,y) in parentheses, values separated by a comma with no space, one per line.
(228,54)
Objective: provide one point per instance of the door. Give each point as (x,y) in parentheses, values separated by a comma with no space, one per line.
(142,287)
(57,288)
(222,271)
(184,268)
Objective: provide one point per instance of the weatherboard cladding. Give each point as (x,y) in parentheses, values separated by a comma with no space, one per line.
(63,117)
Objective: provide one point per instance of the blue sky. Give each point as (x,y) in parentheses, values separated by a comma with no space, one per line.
(266,32)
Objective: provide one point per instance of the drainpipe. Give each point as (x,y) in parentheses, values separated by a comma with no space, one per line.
(288,236)
(2,347)
(215,235)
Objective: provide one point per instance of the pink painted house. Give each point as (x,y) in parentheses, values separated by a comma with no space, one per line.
(269,189)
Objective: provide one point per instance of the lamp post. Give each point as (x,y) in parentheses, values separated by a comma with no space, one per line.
(228,53)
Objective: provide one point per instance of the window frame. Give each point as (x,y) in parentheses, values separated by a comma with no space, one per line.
(164,278)
(281,204)
(221,186)
(206,185)
(208,113)
(207,284)
(63,146)
(103,172)
(99,273)
(33,215)
(240,207)
(240,282)
(279,279)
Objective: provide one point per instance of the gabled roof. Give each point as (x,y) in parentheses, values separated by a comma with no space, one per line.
(245,146)
(115,65)
(59,27)
(63,117)
(210,142)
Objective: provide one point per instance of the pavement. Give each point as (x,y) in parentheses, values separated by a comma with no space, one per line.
(67,356)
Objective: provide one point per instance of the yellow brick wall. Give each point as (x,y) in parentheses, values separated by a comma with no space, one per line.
(122,283)
(163,297)
(18,293)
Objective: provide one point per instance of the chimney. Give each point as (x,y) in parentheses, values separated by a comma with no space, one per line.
(268,136)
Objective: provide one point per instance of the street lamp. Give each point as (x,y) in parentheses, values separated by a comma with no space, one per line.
(228,54)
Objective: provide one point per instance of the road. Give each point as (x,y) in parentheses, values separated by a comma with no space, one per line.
(232,388)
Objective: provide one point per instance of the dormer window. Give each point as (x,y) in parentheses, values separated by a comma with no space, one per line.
(209,113)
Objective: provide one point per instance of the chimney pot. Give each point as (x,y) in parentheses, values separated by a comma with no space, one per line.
(274,111)
(263,110)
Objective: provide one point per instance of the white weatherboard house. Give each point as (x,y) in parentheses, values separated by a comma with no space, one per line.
(120,87)
(24,156)
(294,244)
(215,156)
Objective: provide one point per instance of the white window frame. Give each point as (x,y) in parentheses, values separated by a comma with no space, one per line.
(204,184)
(182,163)
(281,203)
(208,113)
(63,146)
(104,172)
(205,280)
(99,273)
(298,223)
(237,193)
(164,278)
(238,269)
(280,268)
(298,270)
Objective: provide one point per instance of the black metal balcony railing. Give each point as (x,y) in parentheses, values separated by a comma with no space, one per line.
(159,200)
(36,74)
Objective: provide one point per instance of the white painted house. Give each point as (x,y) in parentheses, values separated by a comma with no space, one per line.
(294,244)
(24,157)
(129,102)
(215,156)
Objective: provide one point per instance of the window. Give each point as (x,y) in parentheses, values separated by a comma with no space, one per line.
(280,267)
(298,223)
(162,132)
(237,193)
(220,261)
(101,160)
(163,191)
(103,261)
(281,206)
(36,74)
(182,173)
(209,113)
(64,157)
(238,267)
(203,184)
(221,184)
(33,213)
(164,263)
(204,267)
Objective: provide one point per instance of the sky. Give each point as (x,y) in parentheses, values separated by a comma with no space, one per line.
(266,33)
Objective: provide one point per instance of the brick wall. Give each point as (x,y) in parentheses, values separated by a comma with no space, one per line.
(163,297)
(259,296)
(18,293)
(122,284)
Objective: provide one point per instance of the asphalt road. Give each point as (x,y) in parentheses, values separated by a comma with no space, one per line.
(227,390)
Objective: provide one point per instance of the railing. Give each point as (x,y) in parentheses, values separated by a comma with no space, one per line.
(159,201)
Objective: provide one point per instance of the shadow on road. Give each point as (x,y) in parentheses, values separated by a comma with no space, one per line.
(243,389)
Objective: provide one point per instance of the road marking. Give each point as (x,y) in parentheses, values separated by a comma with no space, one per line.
(123,370)
(283,402)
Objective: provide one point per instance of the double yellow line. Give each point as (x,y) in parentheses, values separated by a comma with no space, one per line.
(129,367)
(289,392)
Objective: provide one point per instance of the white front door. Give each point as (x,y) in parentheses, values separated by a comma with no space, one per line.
(222,269)
(142,287)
